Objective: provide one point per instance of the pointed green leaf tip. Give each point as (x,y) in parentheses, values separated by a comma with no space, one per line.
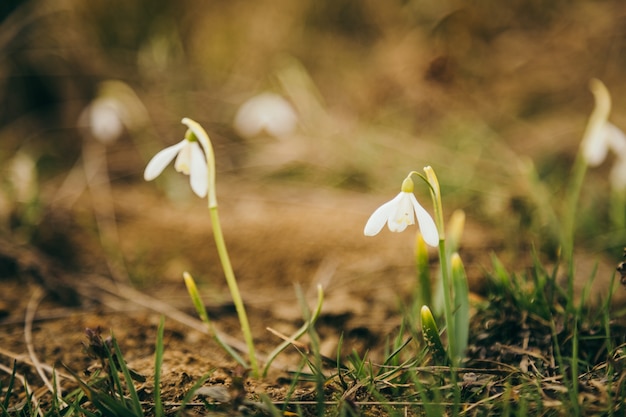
(431,336)
(461,305)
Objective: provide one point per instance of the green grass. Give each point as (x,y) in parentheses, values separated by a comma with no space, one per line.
(529,352)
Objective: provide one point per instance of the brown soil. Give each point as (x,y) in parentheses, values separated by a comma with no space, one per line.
(278,236)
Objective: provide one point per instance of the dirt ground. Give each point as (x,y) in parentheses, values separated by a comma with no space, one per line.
(278,237)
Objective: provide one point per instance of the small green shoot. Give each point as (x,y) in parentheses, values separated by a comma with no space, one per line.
(196,299)
(158,364)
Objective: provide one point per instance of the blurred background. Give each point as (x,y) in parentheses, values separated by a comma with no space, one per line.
(494,95)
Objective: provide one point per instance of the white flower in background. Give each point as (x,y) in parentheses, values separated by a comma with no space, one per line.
(190,160)
(104,118)
(116,107)
(601,136)
(401,212)
(266,113)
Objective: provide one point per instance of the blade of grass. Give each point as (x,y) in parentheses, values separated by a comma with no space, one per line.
(158,363)
(10,386)
(104,402)
(190,394)
(299,333)
(130,386)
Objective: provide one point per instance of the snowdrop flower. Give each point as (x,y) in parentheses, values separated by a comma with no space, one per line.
(190,160)
(600,135)
(267,112)
(104,118)
(401,212)
(115,108)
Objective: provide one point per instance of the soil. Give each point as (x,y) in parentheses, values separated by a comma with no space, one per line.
(282,240)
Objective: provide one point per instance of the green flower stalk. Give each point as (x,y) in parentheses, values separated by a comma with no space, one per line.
(600,137)
(195,157)
(448,294)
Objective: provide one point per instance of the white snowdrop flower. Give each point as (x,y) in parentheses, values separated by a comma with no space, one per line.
(190,160)
(104,119)
(600,135)
(266,113)
(401,212)
(115,108)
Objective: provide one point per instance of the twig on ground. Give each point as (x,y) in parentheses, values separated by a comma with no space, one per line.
(31,309)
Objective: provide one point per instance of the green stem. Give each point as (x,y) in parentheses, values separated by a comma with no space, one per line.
(447,302)
(195,131)
(435,193)
(234,288)
(569,220)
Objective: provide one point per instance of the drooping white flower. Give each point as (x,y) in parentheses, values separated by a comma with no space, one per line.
(104,118)
(401,212)
(190,160)
(115,108)
(600,135)
(266,113)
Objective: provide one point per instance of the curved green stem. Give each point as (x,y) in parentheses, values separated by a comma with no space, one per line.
(234,288)
(195,130)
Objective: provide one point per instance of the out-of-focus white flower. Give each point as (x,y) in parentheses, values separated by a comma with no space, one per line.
(116,107)
(190,160)
(266,113)
(104,117)
(600,135)
(23,177)
(401,212)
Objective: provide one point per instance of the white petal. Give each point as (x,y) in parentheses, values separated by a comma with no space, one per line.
(183,160)
(198,174)
(403,213)
(595,139)
(426,223)
(616,139)
(106,123)
(159,161)
(596,146)
(378,219)
(266,112)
